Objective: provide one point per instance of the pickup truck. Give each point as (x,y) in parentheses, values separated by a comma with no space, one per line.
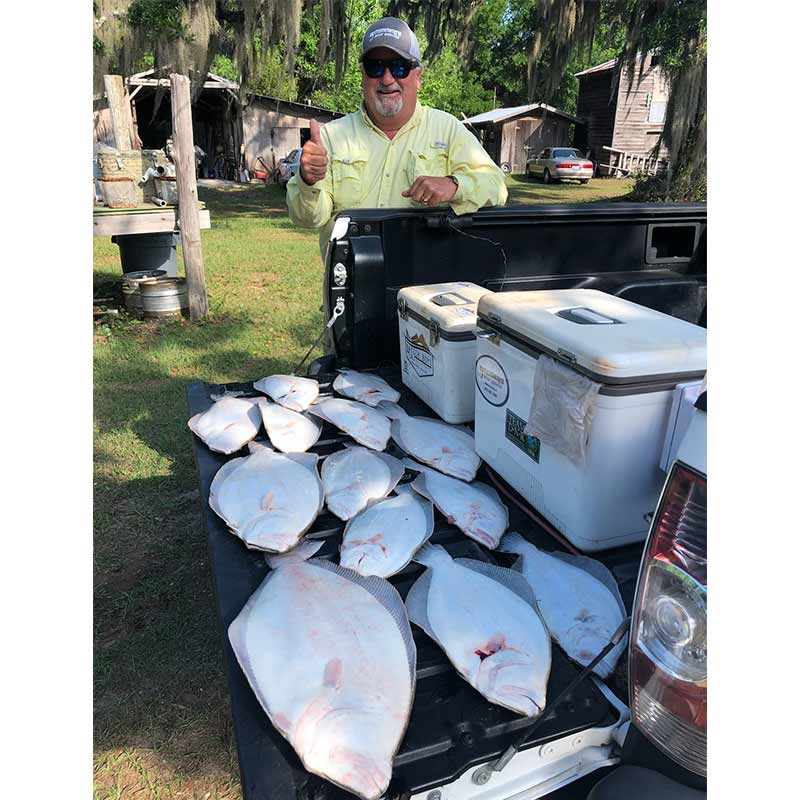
(635,732)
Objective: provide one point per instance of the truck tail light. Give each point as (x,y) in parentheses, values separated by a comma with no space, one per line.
(565,165)
(668,673)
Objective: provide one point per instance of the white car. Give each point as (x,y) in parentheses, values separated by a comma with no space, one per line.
(559,163)
(288,166)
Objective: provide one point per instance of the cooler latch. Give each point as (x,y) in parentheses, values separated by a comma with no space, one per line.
(435,330)
(565,355)
(490,336)
(402,308)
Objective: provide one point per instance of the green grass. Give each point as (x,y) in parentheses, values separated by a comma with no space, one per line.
(162,719)
(532,190)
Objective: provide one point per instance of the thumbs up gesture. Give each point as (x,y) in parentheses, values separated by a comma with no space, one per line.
(314,158)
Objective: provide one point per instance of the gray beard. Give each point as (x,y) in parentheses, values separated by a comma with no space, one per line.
(388,106)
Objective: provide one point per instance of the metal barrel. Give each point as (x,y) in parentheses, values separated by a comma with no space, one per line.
(164,297)
(130,288)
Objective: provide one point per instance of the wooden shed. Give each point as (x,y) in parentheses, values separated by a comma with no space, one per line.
(621,112)
(232,133)
(273,127)
(511,135)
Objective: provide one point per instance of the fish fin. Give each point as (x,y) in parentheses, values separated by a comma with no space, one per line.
(409,463)
(301,552)
(258,447)
(396,469)
(417,603)
(391,410)
(223,473)
(389,598)
(513,542)
(509,578)
(419,486)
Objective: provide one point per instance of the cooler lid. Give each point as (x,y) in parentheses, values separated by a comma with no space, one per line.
(453,306)
(607,338)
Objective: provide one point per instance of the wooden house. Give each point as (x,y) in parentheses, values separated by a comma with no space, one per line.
(620,111)
(512,135)
(232,132)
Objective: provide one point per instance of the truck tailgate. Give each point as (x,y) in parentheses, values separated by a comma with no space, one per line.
(452,726)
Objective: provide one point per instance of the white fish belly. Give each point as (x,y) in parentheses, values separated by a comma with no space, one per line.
(290,391)
(492,637)
(269,501)
(228,425)
(288,430)
(472,510)
(345,702)
(365,388)
(382,539)
(366,425)
(442,446)
(580,611)
(351,478)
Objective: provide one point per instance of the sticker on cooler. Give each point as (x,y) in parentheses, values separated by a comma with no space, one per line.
(491,380)
(418,355)
(515,432)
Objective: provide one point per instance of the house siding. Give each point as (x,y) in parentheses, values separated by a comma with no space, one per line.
(598,112)
(633,131)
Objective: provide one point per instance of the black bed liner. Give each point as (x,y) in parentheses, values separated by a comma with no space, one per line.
(452,727)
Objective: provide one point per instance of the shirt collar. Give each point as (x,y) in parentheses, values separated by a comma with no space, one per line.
(415,120)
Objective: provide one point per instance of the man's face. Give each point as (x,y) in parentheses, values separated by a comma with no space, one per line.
(387,96)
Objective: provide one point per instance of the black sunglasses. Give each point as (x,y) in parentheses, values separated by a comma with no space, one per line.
(398,67)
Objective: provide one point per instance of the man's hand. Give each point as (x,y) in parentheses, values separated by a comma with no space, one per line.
(314,158)
(431,191)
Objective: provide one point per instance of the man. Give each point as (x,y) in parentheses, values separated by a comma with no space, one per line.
(392,152)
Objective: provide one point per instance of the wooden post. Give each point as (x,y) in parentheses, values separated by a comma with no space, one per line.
(188,213)
(120,115)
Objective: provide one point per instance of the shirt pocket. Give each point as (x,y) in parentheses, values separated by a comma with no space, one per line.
(349,185)
(431,161)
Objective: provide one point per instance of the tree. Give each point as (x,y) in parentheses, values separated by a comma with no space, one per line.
(512,51)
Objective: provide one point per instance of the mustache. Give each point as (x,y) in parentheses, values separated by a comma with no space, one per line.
(387,89)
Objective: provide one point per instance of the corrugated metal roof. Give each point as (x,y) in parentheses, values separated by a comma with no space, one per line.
(506,113)
(599,68)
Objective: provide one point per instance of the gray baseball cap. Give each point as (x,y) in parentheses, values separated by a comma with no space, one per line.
(392,33)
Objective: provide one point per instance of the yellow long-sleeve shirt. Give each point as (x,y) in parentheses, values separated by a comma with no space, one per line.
(367,169)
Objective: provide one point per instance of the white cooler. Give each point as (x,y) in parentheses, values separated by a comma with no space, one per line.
(437,345)
(631,358)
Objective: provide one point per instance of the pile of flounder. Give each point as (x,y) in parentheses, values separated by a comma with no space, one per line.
(345,704)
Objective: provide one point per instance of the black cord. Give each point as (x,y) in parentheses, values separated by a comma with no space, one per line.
(513,749)
(491,242)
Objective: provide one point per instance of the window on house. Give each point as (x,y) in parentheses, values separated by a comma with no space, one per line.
(657,111)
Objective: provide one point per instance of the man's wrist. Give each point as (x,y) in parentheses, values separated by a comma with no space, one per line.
(455,181)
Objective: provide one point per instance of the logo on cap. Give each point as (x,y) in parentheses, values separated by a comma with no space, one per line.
(385,32)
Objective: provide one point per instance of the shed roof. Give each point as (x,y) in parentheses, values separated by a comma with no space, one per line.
(500,114)
(212,81)
(293,107)
(606,65)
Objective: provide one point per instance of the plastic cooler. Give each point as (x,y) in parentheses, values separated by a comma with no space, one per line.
(604,398)
(437,345)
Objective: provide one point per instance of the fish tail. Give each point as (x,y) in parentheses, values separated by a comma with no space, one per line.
(513,543)
(299,553)
(432,554)
(391,410)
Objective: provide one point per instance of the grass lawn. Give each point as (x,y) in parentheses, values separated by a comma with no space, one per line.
(162,719)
